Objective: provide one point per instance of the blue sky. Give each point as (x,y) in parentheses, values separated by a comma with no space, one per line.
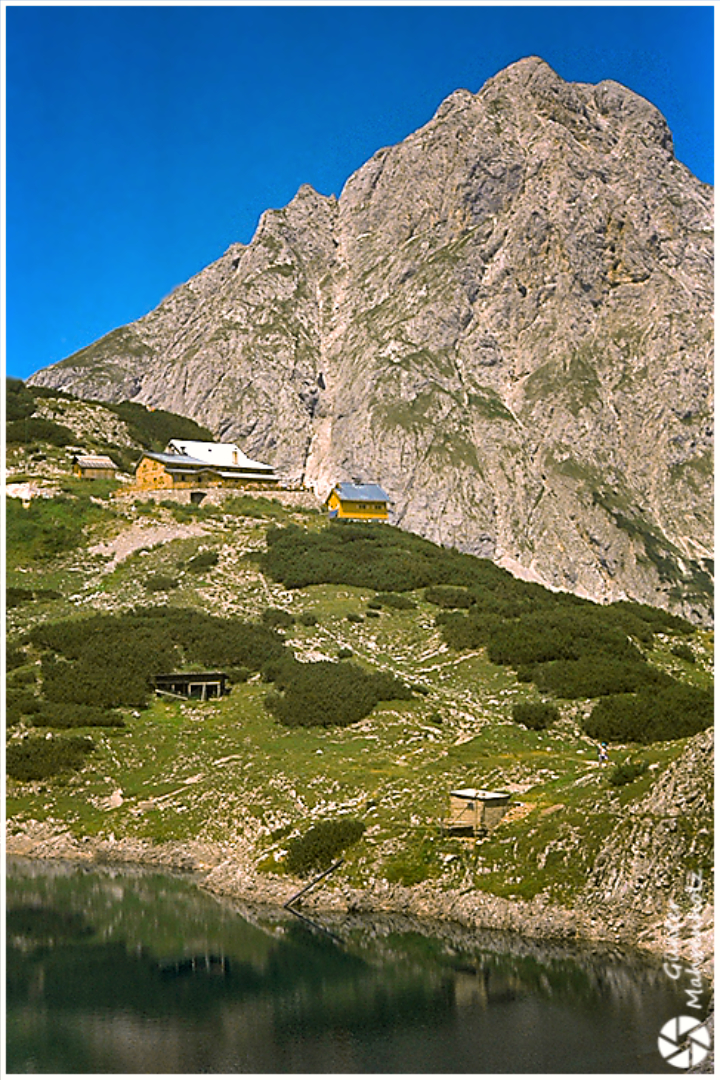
(142,141)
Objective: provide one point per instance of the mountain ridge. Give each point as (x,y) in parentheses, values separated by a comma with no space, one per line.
(505,319)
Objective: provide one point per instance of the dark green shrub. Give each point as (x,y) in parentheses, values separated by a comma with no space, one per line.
(306,618)
(670,712)
(447,596)
(327,694)
(558,635)
(253,506)
(595,676)
(101,680)
(683,652)
(36,429)
(354,617)
(217,642)
(374,605)
(276,617)
(205,560)
(321,844)
(373,556)
(14,597)
(161,583)
(109,660)
(372,614)
(154,428)
(22,678)
(19,400)
(12,716)
(396,600)
(14,657)
(435,718)
(344,654)
(626,772)
(125,458)
(39,758)
(465,632)
(629,614)
(536,715)
(22,701)
(238,675)
(62,715)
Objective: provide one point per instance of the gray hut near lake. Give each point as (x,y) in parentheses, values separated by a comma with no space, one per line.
(476,810)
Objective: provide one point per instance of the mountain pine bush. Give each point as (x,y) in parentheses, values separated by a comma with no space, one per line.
(39,758)
(321,844)
(627,771)
(109,660)
(670,712)
(327,694)
(62,715)
(536,715)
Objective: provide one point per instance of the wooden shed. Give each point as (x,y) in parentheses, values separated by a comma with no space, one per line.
(94,466)
(476,810)
(200,685)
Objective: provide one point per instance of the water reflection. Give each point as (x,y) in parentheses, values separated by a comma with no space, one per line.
(133,972)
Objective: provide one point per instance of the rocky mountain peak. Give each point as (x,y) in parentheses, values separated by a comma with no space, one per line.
(505,319)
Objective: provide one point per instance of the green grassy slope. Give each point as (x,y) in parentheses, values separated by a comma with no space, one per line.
(468,641)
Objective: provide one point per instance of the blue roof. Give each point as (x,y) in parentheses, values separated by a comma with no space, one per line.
(362,492)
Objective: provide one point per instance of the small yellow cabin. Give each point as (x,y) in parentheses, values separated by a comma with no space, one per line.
(360,502)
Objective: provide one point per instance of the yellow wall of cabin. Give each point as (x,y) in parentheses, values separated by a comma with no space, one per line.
(360,510)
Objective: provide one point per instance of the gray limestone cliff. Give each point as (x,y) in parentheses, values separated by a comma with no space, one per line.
(506,320)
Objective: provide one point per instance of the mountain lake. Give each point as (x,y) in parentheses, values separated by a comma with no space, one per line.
(126,970)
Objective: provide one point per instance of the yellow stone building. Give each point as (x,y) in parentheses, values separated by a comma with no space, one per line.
(360,502)
(186,464)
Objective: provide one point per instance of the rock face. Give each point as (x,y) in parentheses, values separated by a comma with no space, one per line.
(505,320)
(663,842)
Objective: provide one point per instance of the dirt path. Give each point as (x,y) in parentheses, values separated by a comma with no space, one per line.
(143,536)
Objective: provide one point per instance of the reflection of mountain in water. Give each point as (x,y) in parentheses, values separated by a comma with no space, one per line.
(93,986)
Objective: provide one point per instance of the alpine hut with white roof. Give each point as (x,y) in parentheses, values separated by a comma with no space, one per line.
(185,463)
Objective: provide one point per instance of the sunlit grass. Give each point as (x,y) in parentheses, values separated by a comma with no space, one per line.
(223,771)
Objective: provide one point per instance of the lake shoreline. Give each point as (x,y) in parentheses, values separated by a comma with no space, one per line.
(226,870)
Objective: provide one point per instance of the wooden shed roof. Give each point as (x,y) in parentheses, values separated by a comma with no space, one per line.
(94,461)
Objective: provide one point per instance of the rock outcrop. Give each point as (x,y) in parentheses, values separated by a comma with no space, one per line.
(506,320)
(655,870)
